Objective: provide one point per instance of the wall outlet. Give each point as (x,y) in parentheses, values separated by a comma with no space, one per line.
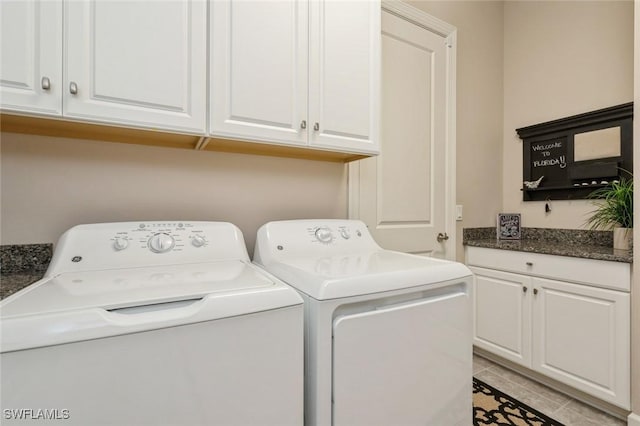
(458,212)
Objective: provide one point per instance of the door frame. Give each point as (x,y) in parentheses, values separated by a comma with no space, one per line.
(449,32)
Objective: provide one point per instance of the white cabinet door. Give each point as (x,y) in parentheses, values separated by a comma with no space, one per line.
(344,67)
(138,63)
(31,56)
(502,313)
(258,66)
(581,336)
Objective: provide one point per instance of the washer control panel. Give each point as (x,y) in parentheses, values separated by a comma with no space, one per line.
(126,244)
(160,237)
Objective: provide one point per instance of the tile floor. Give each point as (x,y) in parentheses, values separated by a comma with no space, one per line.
(546,400)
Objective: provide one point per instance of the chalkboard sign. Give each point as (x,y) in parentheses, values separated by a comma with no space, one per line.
(509,226)
(549,150)
(549,159)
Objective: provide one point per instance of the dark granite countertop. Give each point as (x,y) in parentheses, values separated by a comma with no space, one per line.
(596,245)
(572,250)
(13,281)
(22,265)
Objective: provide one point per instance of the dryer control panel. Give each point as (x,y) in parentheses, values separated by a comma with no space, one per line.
(283,239)
(328,234)
(134,244)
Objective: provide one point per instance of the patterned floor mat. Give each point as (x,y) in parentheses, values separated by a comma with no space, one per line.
(492,407)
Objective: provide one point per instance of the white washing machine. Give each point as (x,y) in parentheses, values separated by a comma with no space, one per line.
(387,335)
(153,323)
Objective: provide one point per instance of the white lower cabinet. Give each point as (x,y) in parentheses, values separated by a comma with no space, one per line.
(581,336)
(502,314)
(575,333)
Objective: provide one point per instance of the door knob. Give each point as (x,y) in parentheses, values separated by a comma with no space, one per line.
(442,237)
(73,88)
(45,83)
(316,126)
(303,125)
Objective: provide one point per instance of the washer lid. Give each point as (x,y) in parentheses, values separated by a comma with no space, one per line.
(87,305)
(354,274)
(124,288)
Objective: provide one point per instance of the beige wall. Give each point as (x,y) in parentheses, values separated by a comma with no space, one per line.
(479,106)
(560,58)
(51,184)
(518,63)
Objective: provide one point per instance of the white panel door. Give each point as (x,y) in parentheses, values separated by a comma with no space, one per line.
(408,364)
(403,195)
(31,56)
(344,67)
(259,59)
(141,63)
(581,337)
(502,314)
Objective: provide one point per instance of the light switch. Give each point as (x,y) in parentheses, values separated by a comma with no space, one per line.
(458,212)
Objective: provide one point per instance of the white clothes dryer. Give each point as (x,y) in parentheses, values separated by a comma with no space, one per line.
(153,323)
(388,335)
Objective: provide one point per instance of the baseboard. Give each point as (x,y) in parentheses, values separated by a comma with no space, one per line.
(633,419)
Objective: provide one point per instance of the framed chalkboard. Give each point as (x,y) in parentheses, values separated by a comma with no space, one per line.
(508,226)
(569,158)
(548,158)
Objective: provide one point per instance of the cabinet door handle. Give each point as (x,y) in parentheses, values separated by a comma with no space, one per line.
(524,289)
(316,126)
(46,83)
(303,125)
(529,263)
(535,291)
(442,237)
(73,88)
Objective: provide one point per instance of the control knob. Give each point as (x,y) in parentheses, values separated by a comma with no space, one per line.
(198,241)
(324,235)
(120,243)
(345,234)
(161,243)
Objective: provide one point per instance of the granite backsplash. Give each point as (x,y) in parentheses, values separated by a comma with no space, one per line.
(25,257)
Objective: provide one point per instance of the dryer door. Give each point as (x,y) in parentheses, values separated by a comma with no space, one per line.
(406,364)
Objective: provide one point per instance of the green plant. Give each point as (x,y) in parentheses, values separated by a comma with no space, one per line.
(614,205)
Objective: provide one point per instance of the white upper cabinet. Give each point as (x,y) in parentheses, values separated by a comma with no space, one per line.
(137,63)
(344,74)
(259,70)
(31,56)
(296,72)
